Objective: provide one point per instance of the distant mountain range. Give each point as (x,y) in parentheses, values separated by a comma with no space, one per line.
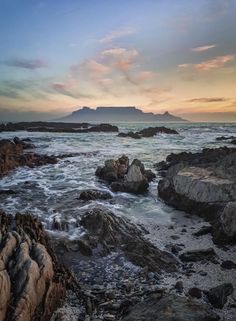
(118,114)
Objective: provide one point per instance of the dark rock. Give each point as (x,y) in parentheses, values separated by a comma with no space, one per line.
(217,296)
(124,177)
(7,192)
(91,195)
(179,286)
(195,293)
(59,127)
(170,308)
(203,231)
(148,132)
(130,134)
(32,281)
(228,265)
(106,231)
(198,255)
(12,156)
(225,138)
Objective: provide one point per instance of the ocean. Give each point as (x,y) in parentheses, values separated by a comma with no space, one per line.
(51,192)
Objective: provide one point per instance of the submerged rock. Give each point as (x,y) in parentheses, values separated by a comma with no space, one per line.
(107,232)
(32,282)
(13,156)
(170,308)
(124,177)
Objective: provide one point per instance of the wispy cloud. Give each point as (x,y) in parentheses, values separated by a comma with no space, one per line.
(208,100)
(26,63)
(211,64)
(123,32)
(214,63)
(203,48)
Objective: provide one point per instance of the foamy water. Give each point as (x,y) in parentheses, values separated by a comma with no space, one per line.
(52,191)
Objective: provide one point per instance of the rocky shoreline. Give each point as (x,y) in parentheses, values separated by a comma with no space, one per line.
(115,270)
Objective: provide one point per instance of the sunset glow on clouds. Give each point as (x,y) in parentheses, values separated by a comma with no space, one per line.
(157,56)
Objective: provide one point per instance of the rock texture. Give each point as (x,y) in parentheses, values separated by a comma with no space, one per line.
(12,155)
(32,282)
(124,177)
(105,232)
(170,308)
(148,132)
(217,296)
(204,184)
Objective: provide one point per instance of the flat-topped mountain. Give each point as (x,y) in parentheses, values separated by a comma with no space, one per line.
(118,114)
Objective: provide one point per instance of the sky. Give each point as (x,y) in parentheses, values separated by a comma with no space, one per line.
(157,55)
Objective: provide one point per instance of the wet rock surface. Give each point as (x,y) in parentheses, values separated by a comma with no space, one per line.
(32,281)
(12,155)
(149,132)
(204,184)
(124,177)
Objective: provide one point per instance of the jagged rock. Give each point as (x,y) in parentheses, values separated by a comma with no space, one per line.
(217,296)
(169,308)
(225,138)
(124,177)
(106,231)
(148,132)
(32,282)
(12,156)
(26,144)
(198,255)
(91,195)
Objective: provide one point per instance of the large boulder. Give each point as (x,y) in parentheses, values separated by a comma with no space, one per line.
(12,156)
(124,177)
(32,281)
(198,184)
(170,307)
(106,232)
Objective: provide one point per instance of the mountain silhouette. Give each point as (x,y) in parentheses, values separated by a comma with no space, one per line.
(118,114)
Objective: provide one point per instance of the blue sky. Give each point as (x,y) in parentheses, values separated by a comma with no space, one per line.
(156,54)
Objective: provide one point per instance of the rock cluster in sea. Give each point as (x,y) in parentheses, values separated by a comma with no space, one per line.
(123,177)
(149,132)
